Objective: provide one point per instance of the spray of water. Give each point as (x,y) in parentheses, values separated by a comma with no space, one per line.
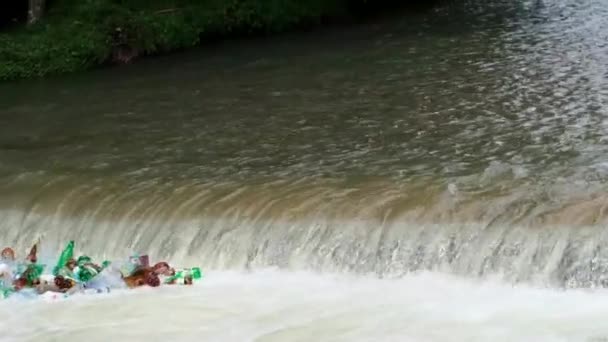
(271,305)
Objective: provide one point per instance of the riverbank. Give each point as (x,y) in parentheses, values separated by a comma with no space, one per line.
(79,35)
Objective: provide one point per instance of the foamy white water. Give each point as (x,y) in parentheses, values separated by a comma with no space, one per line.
(280,306)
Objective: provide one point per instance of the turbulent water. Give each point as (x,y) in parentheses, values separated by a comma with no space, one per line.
(469,142)
(269,306)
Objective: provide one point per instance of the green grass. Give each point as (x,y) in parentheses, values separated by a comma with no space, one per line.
(80,34)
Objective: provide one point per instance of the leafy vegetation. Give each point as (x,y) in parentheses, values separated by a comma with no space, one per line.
(80,34)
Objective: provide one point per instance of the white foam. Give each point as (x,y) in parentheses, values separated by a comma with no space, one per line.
(280,306)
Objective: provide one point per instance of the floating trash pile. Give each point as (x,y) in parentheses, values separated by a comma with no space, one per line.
(72,275)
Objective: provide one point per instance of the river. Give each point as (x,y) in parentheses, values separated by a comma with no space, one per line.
(429,177)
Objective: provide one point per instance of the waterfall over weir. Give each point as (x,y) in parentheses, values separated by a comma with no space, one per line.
(369,228)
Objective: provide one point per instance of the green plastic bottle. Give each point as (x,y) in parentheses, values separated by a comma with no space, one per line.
(33,272)
(196,273)
(5,289)
(6,292)
(180,275)
(86,273)
(66,254)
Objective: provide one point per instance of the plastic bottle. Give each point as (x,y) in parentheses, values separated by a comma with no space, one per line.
(185,276)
